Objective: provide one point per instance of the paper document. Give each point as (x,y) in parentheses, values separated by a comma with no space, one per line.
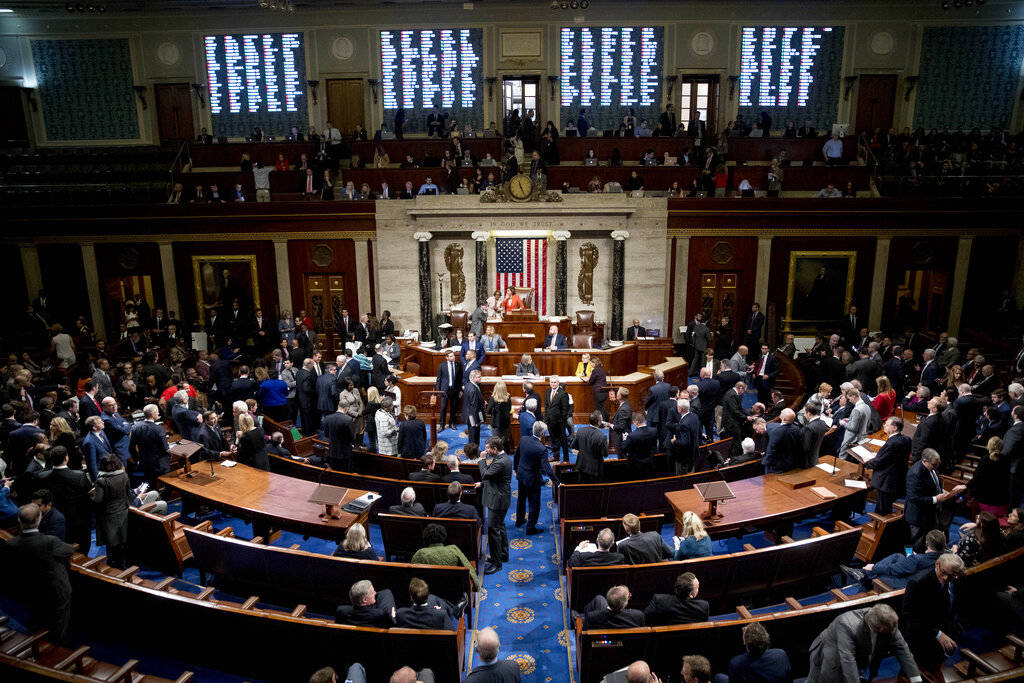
(863,453)
(228,463)
(827,468)
(855,484)
(826,420)
(876,442)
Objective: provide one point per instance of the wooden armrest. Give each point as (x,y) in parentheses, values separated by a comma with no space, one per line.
(185,677)
(148,507)
(744,612)
(579,624)
(248,604)
(4,619)
(294,546)
(747,546)
(91,563)
(205,525)
(1018,646)
(205,593)
(30,643)
(818,531)
(787,539)
(876,517)
(843,526)
(793,603)
(975,662)
(299,611)
(840,595)
(127,573)
(257,539)
(164,583)
(880,586)
(124,674)
(227,532)
(171,516)
(73,658)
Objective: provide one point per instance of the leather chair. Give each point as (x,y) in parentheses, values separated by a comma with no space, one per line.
(488,371)
(527,295)
(582,341)
(413,367)
(459,320)
(585,322)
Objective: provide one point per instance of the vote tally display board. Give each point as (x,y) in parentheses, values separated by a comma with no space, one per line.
(256,80)
(433,69)
(791,72)
(608,70)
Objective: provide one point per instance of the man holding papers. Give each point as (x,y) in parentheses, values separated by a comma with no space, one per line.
(890,465)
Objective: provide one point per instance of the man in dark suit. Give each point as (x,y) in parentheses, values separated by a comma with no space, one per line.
(641,547)
(426,473)
(639,446)
(865,369)
(930,612)
(1013,452)
(682,607)
(70,489)
(636,330)
(850,327)
(327,391)
(555,341)
(243,387)
(337,427)
(449,380)
(785,444)
(709,390)
(931,431)
(496,473)
(473,407)
(21,440)
(89,403)
(408,506)
(492,669)
(602,553)
(684,438)
(890,466)
(148,446)
(264,332)
(455,508)
(930,372)
(557,418)
(305,398)
(925,497)
(759,662)
(427,611)
(858,640)
(610,611)
(813,436)
(755,322)
(531,463)
(897,568)
(622,420)
(345,326)
(654,402)
(734,416)
(765,370)
(363,333)
(367,607)
(379,368)
(40,563)
(592,445)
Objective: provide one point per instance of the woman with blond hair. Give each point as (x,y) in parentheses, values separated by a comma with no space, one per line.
(369,417)
(356,545)
(252,444)
(694,541)
(499,407)
(823,397)
(988,485)
(439,452)
(61,435)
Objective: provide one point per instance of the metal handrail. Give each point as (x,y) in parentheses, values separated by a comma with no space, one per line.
(184,151)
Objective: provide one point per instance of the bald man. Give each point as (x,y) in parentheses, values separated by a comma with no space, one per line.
(785,443)
(492,669)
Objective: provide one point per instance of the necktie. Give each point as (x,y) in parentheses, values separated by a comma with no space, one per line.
(451,374)
(935,480)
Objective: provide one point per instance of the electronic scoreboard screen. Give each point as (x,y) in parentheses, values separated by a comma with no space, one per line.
(608,70)
(791,72)
(256,80)
(424,70)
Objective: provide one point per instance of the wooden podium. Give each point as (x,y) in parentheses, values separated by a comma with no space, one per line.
(330,497)
(431,401)
(711,492)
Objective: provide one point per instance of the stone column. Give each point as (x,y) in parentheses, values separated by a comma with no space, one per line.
(426,305)
(682,276)
(33,272)
(171,300)
(481,237)
(92,286)
(618,282)
(764,264)
(956,303)
(561,264)
(878,283)
(362,276)
(284,283)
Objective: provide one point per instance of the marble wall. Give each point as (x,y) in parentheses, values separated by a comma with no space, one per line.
(590,218)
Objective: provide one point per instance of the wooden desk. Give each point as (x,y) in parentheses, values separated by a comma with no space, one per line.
(278,500)
(764,502)
(620,360)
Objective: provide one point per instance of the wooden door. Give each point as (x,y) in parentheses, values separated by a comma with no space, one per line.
(521,92)
(876,102)
(345,104)
(323,297)
(12,116)
(718,292)
(174,111)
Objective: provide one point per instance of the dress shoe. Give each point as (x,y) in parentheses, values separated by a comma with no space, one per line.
(857,575)
(520,522)
(460,607)
(493,568)
(534,530)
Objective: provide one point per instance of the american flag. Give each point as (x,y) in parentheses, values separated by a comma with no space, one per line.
(524,263)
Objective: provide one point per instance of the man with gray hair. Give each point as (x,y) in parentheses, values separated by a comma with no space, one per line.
(856,641)
(924,499)
(148,446)
(187,422)
(929,612)
(602,553)
(453,471)
(367,607)
(528,415)
(856,425)
(40,562)
(491,668)
(409,506)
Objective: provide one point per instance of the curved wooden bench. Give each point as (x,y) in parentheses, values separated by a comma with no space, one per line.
(403,535)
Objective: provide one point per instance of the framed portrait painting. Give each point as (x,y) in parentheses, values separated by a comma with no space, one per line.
(820,287)
(221,280)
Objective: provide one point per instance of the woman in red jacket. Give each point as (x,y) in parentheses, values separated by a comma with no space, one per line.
(885,401)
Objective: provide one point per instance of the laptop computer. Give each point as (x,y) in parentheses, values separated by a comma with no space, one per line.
(590,162)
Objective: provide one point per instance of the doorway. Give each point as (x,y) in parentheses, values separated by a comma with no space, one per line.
(520,92)
(921,300)
(698,99)
(718,293)
(12,116)
(876,102)
(323,297)
(174,111)
(345,104)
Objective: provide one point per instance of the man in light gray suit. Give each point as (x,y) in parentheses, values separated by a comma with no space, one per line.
(856,425)
(857,640)
(738,362)
(700,337)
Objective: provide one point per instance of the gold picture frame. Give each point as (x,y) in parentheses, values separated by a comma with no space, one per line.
(207,288)
(812,294)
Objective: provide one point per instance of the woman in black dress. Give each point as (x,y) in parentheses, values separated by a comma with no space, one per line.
(251,447)
(724,345)
(111,495)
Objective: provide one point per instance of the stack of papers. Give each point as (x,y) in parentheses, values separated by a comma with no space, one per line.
(864,454)
(228,463)
(855,484)
(827,468)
